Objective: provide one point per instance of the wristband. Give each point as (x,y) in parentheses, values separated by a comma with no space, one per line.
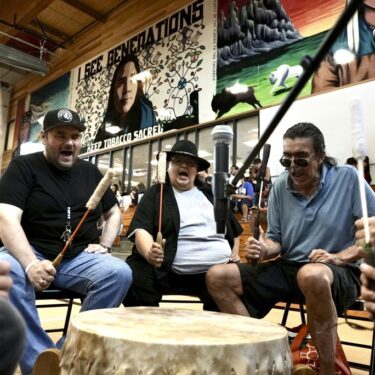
(27,269)
(106,247)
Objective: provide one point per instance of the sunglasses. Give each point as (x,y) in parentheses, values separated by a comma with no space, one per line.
(182,159)
(299,162)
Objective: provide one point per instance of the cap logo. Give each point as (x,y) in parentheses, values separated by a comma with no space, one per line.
(65,115)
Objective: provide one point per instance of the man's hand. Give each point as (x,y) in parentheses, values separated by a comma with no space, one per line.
(368,274)
(5,280)
(41,274)
(360,235)
(155,256)
(96,248)
(322,256)
(256,249)
(235,258)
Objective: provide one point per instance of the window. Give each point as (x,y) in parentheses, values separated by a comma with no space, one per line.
(117,165)
(154,162)
(140,159)
(206,147)
(103,162)
(9,136)
(247,138)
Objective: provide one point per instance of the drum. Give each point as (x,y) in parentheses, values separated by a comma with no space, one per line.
(158,341)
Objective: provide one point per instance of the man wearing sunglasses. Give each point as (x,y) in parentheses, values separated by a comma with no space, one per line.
(312,209)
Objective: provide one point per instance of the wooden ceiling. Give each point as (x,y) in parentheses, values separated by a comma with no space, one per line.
(43,27)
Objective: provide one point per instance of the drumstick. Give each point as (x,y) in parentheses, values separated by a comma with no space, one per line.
(359,152)
(162,170)
(90,205)
(261,174)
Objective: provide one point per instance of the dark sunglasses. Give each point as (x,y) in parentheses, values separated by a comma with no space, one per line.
(299,162)
(182,159)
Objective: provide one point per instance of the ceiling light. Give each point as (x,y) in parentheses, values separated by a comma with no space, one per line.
(251,143)
(30,147)
(237,88)
(203,153)
(139,172)
(141,76)
(112,129)
(17,59)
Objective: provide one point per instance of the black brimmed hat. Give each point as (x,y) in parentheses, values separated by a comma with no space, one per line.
(188,148)
(62,116)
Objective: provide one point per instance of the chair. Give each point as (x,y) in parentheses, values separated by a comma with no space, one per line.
(180,292)
(65,297)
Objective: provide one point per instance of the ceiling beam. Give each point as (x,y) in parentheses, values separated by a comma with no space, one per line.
(19,12)
(51,30)
(24,11)
(85,9)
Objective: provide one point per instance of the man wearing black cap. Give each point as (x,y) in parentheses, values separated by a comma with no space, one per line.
(190,242)
(42,199)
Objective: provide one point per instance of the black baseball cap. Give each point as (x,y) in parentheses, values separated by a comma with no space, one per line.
(62,116)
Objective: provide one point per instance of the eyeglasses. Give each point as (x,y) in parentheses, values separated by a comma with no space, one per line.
(299,162)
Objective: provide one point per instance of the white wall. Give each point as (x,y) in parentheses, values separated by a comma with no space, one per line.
(331,112)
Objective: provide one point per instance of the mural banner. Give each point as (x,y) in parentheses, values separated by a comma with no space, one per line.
(260,45)
(160,79)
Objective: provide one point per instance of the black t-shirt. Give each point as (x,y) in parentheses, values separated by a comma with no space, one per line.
(44,193)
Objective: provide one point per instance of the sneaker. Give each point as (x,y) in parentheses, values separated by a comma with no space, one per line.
(47,363)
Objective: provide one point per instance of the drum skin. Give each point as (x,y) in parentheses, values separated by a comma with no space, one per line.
(158,341)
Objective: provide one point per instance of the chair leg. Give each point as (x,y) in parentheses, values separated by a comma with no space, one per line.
(67,317)
(372,363)
(285,315)
(302,313)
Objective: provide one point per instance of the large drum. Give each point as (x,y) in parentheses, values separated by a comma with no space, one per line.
(158,341)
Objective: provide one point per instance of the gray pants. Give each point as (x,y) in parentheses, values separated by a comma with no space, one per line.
(12,333)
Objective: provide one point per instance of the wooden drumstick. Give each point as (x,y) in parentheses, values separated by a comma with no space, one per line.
(359,152)
(256,229)
(162,170)
(262,173)
(90,205)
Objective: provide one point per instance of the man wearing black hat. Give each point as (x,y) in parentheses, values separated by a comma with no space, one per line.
(42,199)
(190,242)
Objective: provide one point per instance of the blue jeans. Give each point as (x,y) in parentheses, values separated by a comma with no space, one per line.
(103,279)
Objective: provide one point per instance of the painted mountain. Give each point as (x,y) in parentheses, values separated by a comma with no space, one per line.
(255,27)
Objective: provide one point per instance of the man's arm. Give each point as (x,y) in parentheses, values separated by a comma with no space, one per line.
(110,230)
(368,270)
(348,255)
(40,273)
(235,257)
(342,258)
(13,236)
(148,248)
